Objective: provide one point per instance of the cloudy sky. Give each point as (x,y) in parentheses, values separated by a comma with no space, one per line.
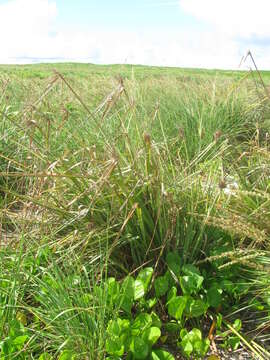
(188,33)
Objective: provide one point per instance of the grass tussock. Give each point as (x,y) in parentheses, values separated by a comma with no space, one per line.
(101,176)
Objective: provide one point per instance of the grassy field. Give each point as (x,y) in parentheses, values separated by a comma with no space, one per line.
(135,212)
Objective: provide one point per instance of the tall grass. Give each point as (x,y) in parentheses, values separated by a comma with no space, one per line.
(94,185)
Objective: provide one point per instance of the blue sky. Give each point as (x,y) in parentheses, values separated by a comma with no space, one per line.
(123,14)
(189,33)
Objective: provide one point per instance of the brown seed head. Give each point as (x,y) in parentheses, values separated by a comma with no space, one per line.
(222,184)
(181,133)
(147,138)
(217,135)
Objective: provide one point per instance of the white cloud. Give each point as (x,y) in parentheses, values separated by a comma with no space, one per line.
(24,25)
(244,23)
(29,30)
(242,18)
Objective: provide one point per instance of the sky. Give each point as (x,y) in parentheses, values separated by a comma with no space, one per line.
(184,33)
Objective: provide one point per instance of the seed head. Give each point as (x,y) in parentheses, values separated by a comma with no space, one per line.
(222,184)
(147,138)
(181,133)
(217,135)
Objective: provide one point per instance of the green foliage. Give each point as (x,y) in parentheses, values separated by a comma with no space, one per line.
(145,276)
(136,337)
(15,341)
(66,355)
(167,173)
(192,343)
(127,294)
(161,286)
(191,281)
(214,296)
(139,348)
(142,282)
(161,355)
(174,263)
(230,340)
(195,307)
(176,306)
(45,356)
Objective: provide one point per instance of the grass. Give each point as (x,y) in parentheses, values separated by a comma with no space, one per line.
(104,171)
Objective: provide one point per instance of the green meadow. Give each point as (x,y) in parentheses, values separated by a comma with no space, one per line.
(135,212)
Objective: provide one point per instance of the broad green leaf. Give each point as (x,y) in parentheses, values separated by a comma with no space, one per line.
(171,294)
(151,335)
(195,334)
(127,294)
(125,339)
(195,308)
(148,304)
(192,280)
(116,327)
(124,324)
(234,342)
(237,324)
(142,322)
(139,348)
(161,286)
(113,328)
(191,284)
(156,320)
(174,262)
(176,307)
(187,347)
(19,341)
(183,333)
(214,296)
(113,347)
(161,355)
(201,347)
(151,302)
(192,336)
(138,290)
(190,270)
(145,276)
(172,327)
(192,342)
